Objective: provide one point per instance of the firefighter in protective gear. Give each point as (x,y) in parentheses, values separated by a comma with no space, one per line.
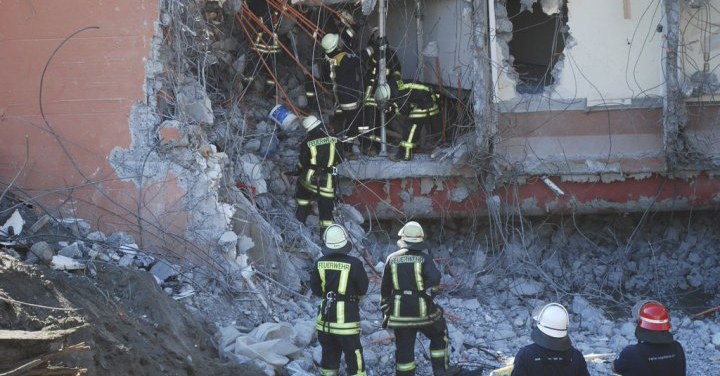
(409,283)
(552,352)
(340,280)
(264,44)
(319,156)
(344,70)
(371,112)
(342,25)
(656,352)
(419,105)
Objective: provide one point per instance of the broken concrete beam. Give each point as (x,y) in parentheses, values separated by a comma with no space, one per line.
(382,168)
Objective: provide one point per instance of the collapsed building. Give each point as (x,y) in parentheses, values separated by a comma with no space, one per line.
(134,117)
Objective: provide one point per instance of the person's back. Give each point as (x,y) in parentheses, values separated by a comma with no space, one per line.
(656,359)
(535,360)
(656,352)
(551,353)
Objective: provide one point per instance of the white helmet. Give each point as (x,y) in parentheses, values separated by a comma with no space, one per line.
(330,42)
(336,239)
(382,93)
(552,319)
(310,122)
(412,232)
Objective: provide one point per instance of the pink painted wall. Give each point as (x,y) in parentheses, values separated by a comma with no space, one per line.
(89,89)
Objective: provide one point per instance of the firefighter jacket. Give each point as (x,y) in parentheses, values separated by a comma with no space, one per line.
(264,42)
(319,154)
(344,69)
(340,281)
(370,58)
(535,360)
(657,359)
(413,100)
(410,280)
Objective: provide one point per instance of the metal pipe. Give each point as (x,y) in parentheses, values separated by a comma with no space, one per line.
(382,80)
(419,16)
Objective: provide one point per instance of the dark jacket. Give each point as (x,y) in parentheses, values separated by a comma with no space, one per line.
(370,58)
(345,75)
(410,279)
(413,100)
(344,277)
(656,359)
(319,153)
(535,360)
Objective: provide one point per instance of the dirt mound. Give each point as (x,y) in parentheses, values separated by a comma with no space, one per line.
(133,328)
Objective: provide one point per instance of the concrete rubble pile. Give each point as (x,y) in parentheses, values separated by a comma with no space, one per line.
(231,159)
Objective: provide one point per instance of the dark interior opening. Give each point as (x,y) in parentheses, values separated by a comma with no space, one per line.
(537,43)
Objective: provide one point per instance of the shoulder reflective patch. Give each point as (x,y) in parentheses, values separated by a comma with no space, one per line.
(406,259)
(333,265)
(321,141)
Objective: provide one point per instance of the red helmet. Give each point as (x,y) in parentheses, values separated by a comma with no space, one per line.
(653,316)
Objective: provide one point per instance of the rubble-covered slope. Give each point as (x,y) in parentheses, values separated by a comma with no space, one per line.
(132,326)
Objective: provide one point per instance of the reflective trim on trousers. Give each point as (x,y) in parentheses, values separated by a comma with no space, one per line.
(350,106)
(360,367)
(404,367)
(328,372)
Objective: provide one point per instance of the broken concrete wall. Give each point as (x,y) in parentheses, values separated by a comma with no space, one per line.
(610,58)
(89,89)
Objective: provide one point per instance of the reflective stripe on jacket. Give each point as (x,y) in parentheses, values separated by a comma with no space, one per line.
(407,278)
(319,154)
(344,277)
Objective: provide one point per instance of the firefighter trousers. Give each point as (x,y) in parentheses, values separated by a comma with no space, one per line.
(304,197)
(405,348)
(349,121)
(333,346)
(370,129)
(411,134)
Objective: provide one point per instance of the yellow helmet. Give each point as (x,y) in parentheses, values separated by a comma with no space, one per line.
(330,42)
(412,232)
(310,122)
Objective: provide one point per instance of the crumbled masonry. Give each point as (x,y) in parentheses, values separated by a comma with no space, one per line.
(228,293)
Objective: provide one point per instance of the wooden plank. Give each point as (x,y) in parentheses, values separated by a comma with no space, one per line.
(40,335)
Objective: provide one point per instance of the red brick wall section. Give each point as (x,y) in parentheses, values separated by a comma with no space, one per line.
(89,89)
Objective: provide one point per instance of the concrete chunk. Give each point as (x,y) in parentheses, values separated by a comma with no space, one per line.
(73,251)
(162,270)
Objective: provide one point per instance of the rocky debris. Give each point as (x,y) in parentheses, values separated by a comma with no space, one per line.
(193,102)
(60,262)
(40,252)
(71,251)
